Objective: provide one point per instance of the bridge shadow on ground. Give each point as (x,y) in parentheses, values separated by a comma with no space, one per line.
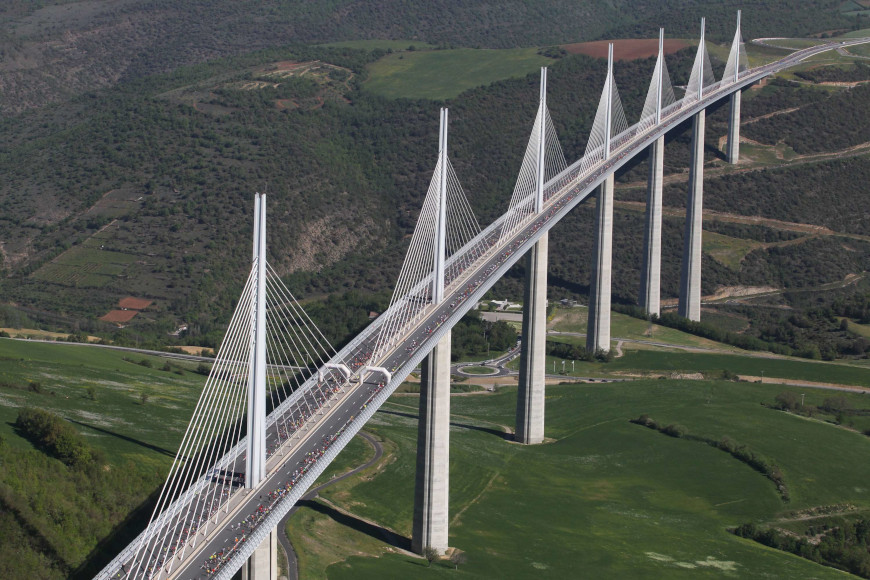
(496,432)
(377,532)
(160,450)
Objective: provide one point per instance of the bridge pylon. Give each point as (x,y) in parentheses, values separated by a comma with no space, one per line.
(256,415)
(432,483)
(660,93)
(737,63)
(530,396)
(689,305)
(598,324)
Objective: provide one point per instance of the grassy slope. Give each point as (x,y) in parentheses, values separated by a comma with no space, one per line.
(608,497)
(57,522)
(443,74)
(116,421)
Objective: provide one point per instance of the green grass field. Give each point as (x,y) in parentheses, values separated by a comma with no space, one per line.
(864,32)
(727,250)
(624,326)
(375,44)
(85,267)
(607,497)
(116,421)
(659,361)
(859,329)
(442,74)
(478,370)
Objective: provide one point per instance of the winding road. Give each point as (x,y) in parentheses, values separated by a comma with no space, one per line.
(292,560)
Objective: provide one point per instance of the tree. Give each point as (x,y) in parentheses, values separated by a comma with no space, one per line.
(143,397)
(786,401)
(92,393)
(458,557)
(431,554)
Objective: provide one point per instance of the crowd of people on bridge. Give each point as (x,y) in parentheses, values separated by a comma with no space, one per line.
(245,527)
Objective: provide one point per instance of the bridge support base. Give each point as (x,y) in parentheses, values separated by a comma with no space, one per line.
(431,489)
(733,152)
(263,563)
(650,286)
(598,326)
(690,279)
(530,397)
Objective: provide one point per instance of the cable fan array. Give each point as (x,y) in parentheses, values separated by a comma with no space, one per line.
(522,203)
(209,468)
(702,72)
(599,145)
(463,246)
(660,94)
(737,59)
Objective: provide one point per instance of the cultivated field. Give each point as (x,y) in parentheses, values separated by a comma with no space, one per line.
(606,496)
(442,74)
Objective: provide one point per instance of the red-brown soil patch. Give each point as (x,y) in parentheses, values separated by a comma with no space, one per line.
(134,303)
(627,48)
(119,315)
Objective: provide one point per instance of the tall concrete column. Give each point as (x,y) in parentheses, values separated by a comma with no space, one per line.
(598,327)
(431,488)
(263,563)
(690,278)
(650,284)
(733,146)
(530,397)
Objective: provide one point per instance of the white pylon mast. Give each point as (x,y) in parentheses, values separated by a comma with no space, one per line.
(542,144)
(737,38)
(608,117)
(441,226)
(255,465)
(661,75)
(700,61)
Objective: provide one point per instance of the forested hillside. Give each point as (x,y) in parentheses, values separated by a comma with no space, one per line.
(146,189)
(53,49)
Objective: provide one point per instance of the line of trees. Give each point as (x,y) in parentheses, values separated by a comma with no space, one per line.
(740,452)
(845,546)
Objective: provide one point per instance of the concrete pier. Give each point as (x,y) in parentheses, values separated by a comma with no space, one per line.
(431,488)
(733,147)
(263,563)
(530,397)
(598,327)
(650,283)
(690,277)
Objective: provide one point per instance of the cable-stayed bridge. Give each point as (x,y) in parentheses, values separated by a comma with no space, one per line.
(280,402)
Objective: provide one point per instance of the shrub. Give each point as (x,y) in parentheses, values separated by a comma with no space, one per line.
(786,401)
(646,421)
(54,435)
(675,430)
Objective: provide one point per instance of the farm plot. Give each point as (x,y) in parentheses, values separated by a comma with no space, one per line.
(85,267)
